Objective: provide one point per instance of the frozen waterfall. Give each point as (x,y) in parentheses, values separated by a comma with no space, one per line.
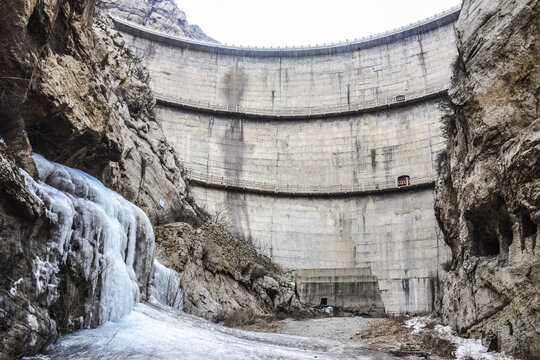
(104,244)
(166,283)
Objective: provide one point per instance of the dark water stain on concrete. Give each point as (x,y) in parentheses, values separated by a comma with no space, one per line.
(374,158)
(388,156)
(233,149)
(234,82)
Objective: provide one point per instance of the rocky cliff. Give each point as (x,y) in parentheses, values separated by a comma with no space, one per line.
(22,319)
(161,15)
(74,254)
(222,273)
(488,192)
(71,91)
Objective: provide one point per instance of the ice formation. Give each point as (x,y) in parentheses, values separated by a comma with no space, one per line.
(156,332)
(13,290)
(167,284)
(105,242)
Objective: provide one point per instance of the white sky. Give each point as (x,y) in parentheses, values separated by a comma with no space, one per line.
(304,22)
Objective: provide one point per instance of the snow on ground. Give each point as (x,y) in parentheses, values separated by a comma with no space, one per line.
(164,333)
(466,348)
(417,323)
(469,348)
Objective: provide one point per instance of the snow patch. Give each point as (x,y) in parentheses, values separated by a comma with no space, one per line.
(325,310)
(466,348)
(469,348)
(13,290)
(417,323)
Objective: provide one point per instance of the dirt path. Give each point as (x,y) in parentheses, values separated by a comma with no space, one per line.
(335,328)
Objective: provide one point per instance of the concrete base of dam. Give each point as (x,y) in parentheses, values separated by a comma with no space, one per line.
(355,289)
(393,234)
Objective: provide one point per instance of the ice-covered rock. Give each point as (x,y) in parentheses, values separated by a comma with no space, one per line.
(99,252)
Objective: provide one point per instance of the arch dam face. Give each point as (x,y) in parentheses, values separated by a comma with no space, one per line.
(301,148)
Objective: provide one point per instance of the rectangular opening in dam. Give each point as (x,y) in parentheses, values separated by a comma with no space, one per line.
(404,180)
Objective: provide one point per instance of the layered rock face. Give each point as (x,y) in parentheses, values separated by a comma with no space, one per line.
(161,15)
(222,273)
(84,102)
(488,193)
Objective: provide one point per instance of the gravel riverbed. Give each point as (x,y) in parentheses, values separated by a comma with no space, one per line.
(335,328)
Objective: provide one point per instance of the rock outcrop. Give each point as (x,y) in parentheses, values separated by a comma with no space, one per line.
(221,272)
(24,325)
(161,15)
(71,91)
(85,102)
(488,192)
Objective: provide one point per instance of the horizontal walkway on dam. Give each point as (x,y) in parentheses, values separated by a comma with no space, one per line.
(303,112)
(365,187)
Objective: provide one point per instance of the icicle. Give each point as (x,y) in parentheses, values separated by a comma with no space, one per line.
(105,239)
(166,282)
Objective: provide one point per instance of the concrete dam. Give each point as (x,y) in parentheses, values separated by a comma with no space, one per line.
(323,156)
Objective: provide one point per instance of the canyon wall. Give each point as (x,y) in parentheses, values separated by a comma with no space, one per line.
(488,202)
(72,91)
(162,15)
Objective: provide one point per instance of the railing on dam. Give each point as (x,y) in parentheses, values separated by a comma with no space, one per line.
(293,112)
(418,27)
(364,187)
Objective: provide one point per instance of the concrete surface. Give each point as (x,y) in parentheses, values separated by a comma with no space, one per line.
(393,233)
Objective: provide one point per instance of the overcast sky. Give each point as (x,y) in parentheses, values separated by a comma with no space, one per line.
(304,22)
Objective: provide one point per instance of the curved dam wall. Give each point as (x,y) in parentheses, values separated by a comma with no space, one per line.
(333,155)
(410,62)
(301,149)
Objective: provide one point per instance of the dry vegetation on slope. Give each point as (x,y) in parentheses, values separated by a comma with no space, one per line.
(221,273)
